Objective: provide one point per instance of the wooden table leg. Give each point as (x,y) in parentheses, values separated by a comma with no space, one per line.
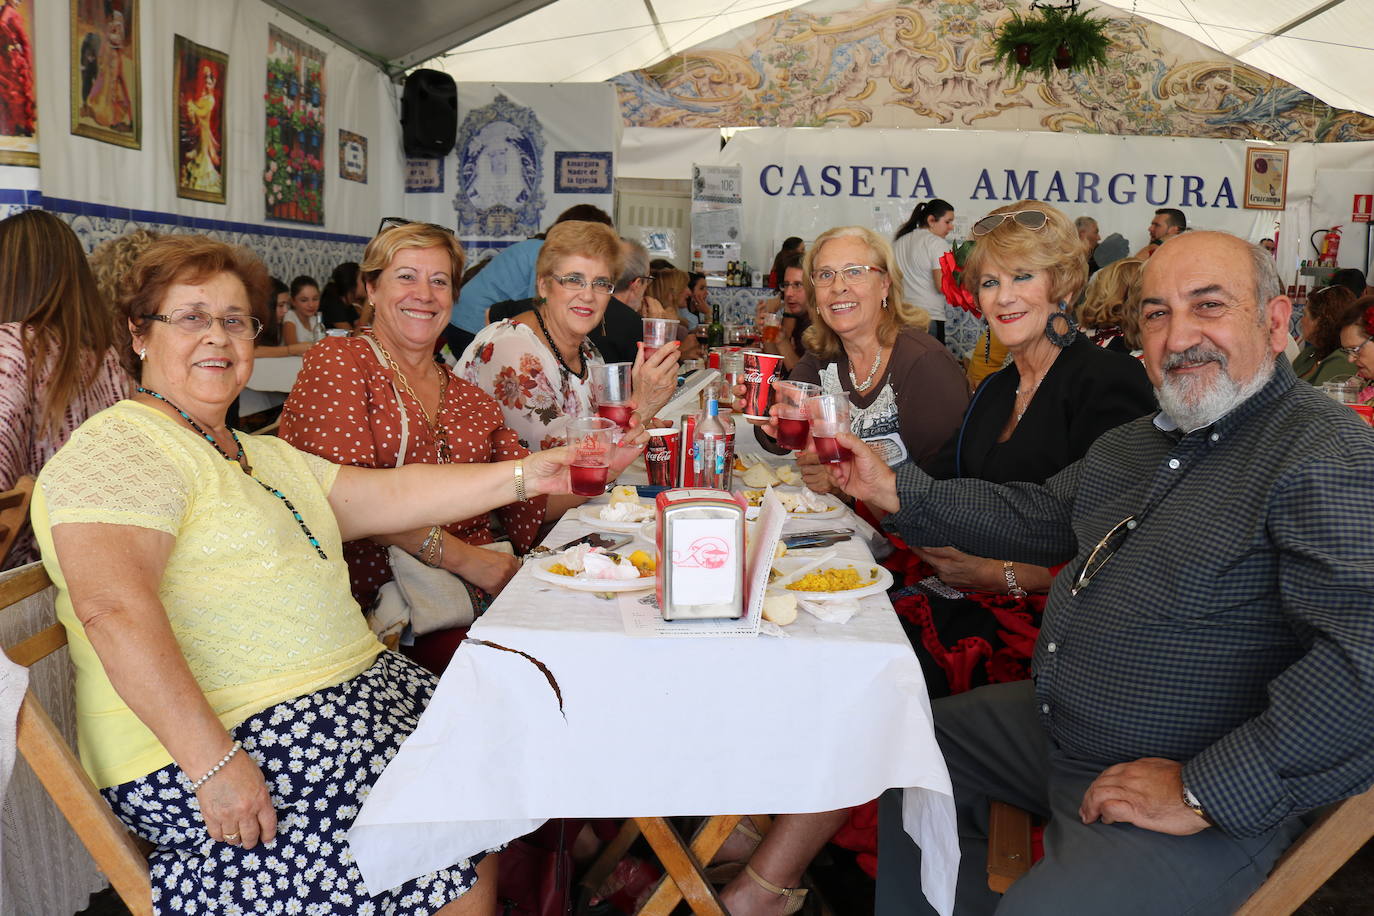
(684,879)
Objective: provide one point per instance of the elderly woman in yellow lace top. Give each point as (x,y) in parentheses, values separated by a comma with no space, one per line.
(233,706)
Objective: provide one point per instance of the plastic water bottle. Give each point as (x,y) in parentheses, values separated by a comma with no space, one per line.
(711,449)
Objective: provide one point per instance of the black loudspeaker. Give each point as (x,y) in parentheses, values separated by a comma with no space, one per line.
(429,114)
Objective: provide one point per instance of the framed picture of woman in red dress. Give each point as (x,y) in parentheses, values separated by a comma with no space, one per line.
(107,100)
(198,113)
(18,104)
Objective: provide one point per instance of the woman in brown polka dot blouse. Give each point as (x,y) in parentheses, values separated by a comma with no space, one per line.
(344,407)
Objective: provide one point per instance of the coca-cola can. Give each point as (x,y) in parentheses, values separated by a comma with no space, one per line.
(686,467)
(760,371)
(663,456)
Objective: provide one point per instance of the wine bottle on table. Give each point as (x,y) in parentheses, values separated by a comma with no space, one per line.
(715,331)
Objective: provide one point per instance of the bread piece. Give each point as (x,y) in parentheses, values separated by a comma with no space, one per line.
(759,476)
(780,609)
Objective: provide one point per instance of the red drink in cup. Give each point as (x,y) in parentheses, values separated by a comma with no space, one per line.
(619,414)
(829,450)
(591,440)
(792,432)
(760,372)
(589,479)
(661,456)
(829,415)
(794,423)
(657,333)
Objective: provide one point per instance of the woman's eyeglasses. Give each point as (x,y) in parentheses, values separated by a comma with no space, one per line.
(1031,219)
(1106,548)
(1354,351)
(389,222)
(577,283)
(855,274)
(194,321)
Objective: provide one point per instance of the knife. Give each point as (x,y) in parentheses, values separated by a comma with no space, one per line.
(817,538)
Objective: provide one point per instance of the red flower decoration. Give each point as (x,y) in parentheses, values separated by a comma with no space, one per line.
(954,292)
(1368,321)
(484,355)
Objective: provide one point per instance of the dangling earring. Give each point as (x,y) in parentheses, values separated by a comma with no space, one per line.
(987,344)
(143,354)
(884,302)
(1061,339)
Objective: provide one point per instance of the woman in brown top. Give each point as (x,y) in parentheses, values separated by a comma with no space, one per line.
(344,407)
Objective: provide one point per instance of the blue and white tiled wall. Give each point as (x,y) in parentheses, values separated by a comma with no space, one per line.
(287,251)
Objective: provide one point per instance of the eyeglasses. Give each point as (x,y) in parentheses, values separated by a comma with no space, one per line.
(390,222)
(1031,219)
(194,321)
(577,283)
(856,274)
(1106,548)
(1354,351)
(791,284)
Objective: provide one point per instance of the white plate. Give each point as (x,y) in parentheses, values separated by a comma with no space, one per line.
(590,513)
(836,509)
(541,572)
(883,583)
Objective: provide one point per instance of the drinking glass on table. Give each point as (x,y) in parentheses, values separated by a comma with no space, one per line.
(611,384)
(794,420)
(591,439)
(829,415)
(658,332)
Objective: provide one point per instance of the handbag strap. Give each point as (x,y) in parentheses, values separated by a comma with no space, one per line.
(400,404)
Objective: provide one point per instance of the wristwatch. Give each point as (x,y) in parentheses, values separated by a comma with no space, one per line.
(1191,801)
(1013,589)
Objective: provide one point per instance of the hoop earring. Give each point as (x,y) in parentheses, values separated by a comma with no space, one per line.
(1061,339)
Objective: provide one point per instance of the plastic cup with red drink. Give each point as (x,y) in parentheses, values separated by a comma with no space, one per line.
(793,420)
(658,332)
(611,385)
(591,439)
(829,415)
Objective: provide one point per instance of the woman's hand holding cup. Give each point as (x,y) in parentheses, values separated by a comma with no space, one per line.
(864,475)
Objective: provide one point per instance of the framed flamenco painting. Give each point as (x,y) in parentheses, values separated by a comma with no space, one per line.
(198,113)
(107,102)
(18,105)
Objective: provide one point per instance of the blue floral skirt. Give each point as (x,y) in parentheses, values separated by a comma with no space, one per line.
(320,755)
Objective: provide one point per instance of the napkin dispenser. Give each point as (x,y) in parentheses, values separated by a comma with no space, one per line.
(700,542)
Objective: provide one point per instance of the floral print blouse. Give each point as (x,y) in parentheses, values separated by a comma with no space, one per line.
(513,363)
(343,408)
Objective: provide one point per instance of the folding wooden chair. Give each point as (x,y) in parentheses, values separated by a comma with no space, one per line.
(14,514)
(1336,835)
(57,768)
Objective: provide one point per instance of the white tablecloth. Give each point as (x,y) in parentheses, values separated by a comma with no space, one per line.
(828,717)
(269,384)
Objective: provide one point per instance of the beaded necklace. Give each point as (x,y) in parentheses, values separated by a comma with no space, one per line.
(872,371)
(243,465)
(563,369)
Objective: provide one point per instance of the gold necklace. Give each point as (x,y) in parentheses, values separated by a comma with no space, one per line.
(439,432)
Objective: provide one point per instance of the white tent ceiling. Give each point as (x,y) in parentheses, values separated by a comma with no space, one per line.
(1320,46)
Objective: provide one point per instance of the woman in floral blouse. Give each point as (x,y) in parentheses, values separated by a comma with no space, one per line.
(536,364)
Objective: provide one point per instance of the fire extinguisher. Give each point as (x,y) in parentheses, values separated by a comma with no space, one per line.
(1330,246)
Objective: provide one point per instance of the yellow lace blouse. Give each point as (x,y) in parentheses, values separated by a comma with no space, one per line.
(258,615)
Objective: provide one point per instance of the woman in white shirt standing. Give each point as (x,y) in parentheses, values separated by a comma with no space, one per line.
(918,257)
(302,323)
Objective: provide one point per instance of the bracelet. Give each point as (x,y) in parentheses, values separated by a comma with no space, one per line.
(195,786)
(520,480)
(432,544)
(1013,588)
